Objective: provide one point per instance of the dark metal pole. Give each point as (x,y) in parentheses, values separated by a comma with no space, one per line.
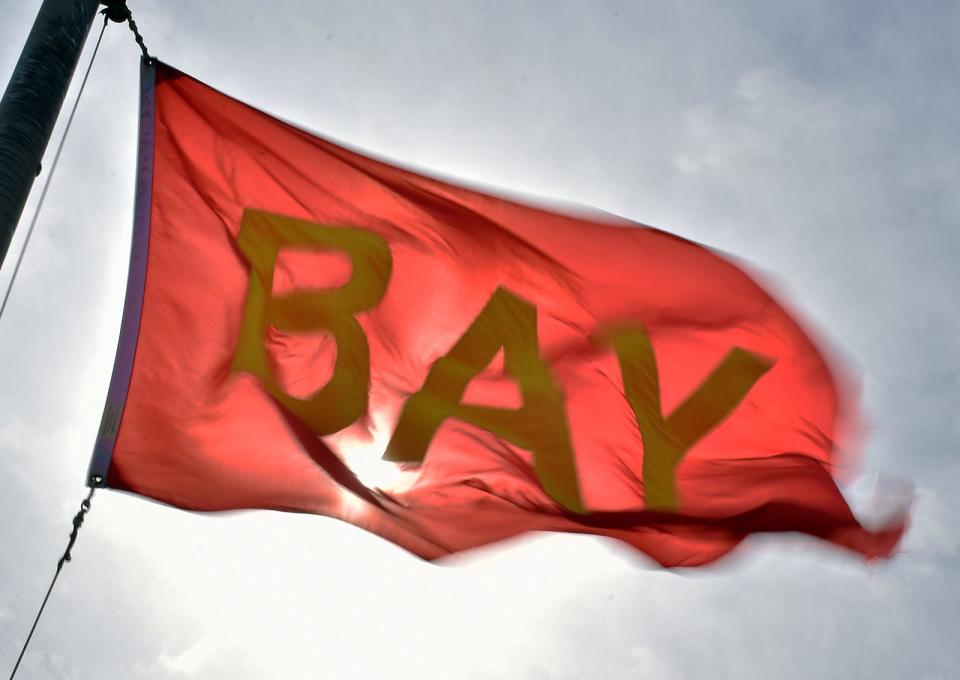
(32,101)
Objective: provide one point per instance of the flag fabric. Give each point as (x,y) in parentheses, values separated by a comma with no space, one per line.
(311,329)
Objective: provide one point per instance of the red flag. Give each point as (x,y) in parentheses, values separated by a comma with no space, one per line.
(310,329)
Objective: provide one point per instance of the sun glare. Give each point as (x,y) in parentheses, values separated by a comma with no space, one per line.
(365,459)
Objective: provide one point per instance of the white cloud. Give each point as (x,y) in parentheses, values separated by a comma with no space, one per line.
(818,141)
(193,659)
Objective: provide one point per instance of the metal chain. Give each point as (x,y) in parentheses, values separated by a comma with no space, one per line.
(77,523)
(139,38)
(117,10)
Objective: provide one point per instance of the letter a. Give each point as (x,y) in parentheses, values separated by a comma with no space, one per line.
(344,398)
(540,425)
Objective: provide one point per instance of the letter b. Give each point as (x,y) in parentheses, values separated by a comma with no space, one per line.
(344,398)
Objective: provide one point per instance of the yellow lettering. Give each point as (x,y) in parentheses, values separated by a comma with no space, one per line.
(344,398)
(666,440)
(540,425)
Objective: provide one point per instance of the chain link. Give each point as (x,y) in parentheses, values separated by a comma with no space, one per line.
(117,10)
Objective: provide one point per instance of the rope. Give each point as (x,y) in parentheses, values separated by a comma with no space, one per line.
(116,11)
(53,167)
(77,523)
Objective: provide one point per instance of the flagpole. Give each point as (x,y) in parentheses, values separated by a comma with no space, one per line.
(33,98)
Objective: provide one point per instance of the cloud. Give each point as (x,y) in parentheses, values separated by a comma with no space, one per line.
(207,658)
(192,659)
(817,141)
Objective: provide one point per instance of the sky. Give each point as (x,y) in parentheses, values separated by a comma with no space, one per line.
(816,141)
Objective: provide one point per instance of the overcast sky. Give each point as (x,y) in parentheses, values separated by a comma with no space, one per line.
(816,140)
